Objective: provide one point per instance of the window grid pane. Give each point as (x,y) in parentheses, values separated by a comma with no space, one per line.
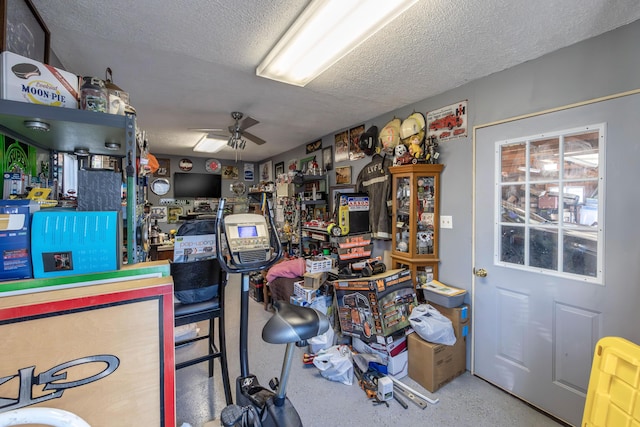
(549,190)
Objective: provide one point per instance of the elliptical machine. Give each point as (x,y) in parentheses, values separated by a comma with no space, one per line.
(249,240)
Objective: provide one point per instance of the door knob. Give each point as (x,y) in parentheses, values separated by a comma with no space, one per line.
(481,272)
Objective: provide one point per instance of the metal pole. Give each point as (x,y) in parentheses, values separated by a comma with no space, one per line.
(284,375)
(244,325)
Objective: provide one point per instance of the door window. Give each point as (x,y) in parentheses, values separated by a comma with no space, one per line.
(550,197)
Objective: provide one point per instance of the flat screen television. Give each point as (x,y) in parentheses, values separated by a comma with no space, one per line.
(194,185)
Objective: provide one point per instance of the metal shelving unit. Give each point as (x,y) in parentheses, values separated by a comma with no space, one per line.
(70,129)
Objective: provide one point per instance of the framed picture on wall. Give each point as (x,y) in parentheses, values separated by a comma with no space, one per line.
(158,213)
(342,146)
(355,152)
(327,158)
(279,169)
(343,175)
(23,30)
(164,168)
(266,171)
(173,214)
(314,146)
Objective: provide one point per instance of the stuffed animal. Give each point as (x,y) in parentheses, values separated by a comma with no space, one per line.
(415,146)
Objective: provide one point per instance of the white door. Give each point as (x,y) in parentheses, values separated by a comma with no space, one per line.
(550,290)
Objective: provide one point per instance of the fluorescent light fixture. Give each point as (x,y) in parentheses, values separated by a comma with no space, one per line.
(589,160)
(326,31)
(210,143)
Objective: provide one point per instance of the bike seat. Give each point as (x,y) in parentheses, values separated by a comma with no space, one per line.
(292,323)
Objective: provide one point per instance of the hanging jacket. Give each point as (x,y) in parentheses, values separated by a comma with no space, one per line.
(375,180)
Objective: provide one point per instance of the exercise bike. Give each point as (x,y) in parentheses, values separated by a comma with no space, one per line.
(251,243)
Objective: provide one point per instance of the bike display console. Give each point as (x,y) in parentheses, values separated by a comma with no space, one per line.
(247,238)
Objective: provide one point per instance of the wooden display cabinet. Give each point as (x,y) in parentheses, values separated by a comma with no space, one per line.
(416,218)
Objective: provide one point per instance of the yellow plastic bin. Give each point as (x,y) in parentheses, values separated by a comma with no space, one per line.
(613,396)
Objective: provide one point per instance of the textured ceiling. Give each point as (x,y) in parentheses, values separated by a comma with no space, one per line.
(189,63)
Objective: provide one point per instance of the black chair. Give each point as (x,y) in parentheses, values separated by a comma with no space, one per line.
(199,289)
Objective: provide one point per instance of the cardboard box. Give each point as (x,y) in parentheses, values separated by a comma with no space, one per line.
(434,365)
(460,314)
(314,280)
(194,248)
(27,80)
(285,190)
(372,308)
(460,318)
(353,240)
(395,356)
(15,225)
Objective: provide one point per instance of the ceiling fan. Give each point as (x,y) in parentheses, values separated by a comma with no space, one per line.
(237,133)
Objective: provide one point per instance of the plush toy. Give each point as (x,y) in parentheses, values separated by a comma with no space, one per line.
(415,146)
(399,150)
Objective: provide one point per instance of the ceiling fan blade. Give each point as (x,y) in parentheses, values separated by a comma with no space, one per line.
(248,122)
(253,138)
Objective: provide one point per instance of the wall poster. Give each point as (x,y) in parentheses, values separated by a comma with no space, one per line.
(448,122)
(355,152)
(342,146)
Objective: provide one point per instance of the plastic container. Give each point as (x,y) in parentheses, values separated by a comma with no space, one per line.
(318,264)
(613,396)
(444,295)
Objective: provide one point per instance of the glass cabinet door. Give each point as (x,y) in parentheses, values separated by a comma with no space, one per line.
(415,211)
(425,215)
(403,210)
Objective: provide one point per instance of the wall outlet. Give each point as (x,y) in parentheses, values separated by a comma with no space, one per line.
(446,221)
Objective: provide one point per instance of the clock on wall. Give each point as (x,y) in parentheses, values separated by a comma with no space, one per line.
(213,166)
(185,165)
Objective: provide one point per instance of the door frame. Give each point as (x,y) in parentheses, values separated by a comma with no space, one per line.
(473,192)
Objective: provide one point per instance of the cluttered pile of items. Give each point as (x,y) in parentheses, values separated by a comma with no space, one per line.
(383,330)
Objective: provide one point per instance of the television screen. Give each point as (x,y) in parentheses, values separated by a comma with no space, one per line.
(193,185)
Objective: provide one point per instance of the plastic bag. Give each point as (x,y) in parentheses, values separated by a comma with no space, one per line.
(335,364)
(431,325)
(321,342)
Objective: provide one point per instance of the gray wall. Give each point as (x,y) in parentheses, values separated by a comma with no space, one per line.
(601,66)
(198,167)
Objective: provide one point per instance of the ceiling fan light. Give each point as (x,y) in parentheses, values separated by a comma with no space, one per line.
(325,32)
(210,143)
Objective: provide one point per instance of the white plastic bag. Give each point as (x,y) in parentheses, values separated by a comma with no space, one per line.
(321,342)
(431,325)
(335,364)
